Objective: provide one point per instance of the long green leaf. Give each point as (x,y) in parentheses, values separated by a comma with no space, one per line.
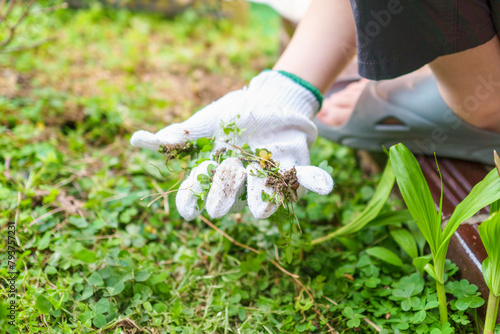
(422,261)
(371,211)
(483,194)
(386,255)
(396,217)
(417,234)
(406,241)
(429,268)
(495,207)
(416,194)
(489,231)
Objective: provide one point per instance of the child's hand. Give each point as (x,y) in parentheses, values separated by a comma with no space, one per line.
(273,113)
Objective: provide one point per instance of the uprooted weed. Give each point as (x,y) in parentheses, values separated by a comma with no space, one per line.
(285,183)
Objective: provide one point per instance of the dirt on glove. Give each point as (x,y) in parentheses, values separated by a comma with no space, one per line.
(286,184)
(175,151)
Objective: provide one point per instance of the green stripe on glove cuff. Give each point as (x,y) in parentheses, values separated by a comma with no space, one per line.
(307,85)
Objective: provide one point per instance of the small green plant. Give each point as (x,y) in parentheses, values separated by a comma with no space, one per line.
(418,199)
(489,231)
(197,151)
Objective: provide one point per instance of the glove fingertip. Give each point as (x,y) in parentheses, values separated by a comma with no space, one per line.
(229,178)
(259,208)
(241,201)
(263,212)
(187,195)
(186,204)
(215,213)
(144,139)
(315,179)
(189,214)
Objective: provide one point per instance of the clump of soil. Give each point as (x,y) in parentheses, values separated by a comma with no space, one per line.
(285,184)
(269,163)
(290,177)
(177,151)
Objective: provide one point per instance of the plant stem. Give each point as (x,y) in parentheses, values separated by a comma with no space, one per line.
(327,237)
(491,314)
(443,307)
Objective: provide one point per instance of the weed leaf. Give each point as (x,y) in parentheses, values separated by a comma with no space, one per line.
(386,255)
(95,279)
(406,241)
(469,302)
(392,218)
(421,262)
(429,268)
(99,321)
(43,304)
(102,306)
(142,275)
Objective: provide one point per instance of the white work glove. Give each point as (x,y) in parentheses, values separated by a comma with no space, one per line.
(276,111)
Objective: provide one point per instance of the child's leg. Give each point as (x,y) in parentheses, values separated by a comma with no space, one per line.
(469,82)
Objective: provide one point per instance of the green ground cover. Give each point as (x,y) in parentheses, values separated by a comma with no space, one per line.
(94,257)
